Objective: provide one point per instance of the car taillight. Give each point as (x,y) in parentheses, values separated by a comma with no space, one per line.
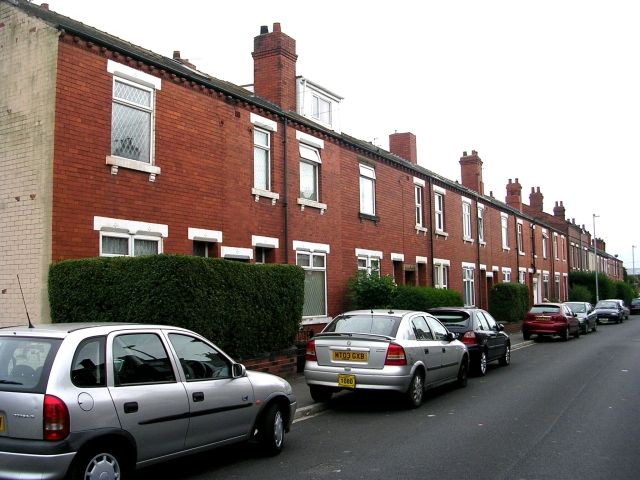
(55,418)
(311,351)
(395,355)
(469,338)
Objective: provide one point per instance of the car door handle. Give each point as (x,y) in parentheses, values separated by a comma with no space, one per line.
(198,396)
(426,350)
(130,407)
(443,350)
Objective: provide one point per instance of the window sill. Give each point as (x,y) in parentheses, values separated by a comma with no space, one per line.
(127,163)
(258,192)
(506,249)
(303,202)
(522,254)
(315,320)
(482,243)
(420,229)
(441,233)
(371,218)
(468,240)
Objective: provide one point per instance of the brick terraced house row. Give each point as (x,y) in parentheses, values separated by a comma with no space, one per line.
(109,149)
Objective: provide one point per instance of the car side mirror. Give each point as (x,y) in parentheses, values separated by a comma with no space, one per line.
(238,370)
(500,327)
(450,337)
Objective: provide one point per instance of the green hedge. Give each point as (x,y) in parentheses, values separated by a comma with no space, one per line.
(423,298)
(509,302)
(607,288)
(248,310)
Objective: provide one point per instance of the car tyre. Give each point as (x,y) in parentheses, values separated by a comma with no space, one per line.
(565,334)
(526,335)
(271,430)
(320,393)
(101,462)
(506,358)
(463,374)
(595,327)
(577,334)
(481,366)
(585,330)
(415,393)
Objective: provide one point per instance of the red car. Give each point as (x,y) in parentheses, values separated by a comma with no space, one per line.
(549,319)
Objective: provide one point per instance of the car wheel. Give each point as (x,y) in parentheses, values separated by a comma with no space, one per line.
(319,393)
(577,334)
(463,374)
(565,334)
(271,430)
(595,327)
(481,366)
(526,335)
(585,330)
(416,391)
(100,462)
(506,358)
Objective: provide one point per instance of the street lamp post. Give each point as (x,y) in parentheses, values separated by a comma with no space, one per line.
(595,251)
(633,262)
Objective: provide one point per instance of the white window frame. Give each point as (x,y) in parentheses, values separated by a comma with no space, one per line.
(264,169)
(441,273)
(468,284)
(545,239)
(556,253)
(309,149)
(143,81)
(419,198)
(312,251)
(369,261)
(466,220)
(506,275)
(317,111)
(132,231)
(504,228)
(556,284)
(367,195)
(438,208)
(522,276)
(481,224)
(520,237)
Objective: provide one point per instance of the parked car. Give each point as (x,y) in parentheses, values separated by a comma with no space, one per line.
(609,311)
(634,306)
(402,351)
(89,401)
(625,310)
(548,319)
(485,338)
(586,316)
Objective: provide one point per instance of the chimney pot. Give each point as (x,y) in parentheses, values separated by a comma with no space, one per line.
(176,54)
(276,27)
(264,29)
(45,6)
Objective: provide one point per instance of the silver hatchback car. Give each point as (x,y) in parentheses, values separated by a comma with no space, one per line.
(402,351)
(95,401)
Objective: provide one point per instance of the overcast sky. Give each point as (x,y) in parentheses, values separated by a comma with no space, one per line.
(547,91)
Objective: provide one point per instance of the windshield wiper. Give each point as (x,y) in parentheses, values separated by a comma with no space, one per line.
(10,382)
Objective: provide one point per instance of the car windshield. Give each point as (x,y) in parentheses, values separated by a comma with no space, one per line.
(363,323)
(577,307)
(606,305)
(452,318)
(545,309)
(635,301)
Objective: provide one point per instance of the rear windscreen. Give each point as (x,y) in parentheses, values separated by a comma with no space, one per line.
(25,362)
(457,318)
(376,324)
(545,309)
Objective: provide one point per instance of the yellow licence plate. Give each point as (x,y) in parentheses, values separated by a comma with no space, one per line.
(1,423)
(349,356)
(346,381)
(541,318)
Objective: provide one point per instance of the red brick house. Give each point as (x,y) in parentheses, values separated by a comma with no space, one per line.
(110,149)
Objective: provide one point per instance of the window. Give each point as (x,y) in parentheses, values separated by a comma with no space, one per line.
(87,369)
(140,358)
(421,329)
(203,249)
(481,224)
(119,245)
(466,220)
(439,210)
(504,224)
(555,247)
(468,284)
(438,330)
(321,109)
(545,285)
(520,239)
(261,159)
(506,273)
(545,239)
(522,276)
(557,286)
(309,173)
(369,265)
(315,283)
(563,243)
(419,206)
(132,120)
(367,190)
(199,360)
(441,274)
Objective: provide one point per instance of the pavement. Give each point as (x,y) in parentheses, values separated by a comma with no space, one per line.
(307,407)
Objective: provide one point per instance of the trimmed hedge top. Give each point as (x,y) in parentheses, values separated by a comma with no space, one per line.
(247,310)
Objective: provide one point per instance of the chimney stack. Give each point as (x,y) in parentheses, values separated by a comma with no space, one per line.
(404,146)
(183,61)
(471,168)
(274,67)
(536,200)
(514,195)
(559,210)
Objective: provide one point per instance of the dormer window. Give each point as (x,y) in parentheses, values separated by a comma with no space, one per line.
(318,104)
(321,109)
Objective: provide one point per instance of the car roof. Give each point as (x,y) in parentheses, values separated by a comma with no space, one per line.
(453,309)
(382,311)
(543,304)
(61,330)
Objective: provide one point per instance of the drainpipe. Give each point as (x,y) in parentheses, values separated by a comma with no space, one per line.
(478,261)
(285,202)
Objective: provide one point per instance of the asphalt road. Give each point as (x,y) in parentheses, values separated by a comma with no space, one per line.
(562,410)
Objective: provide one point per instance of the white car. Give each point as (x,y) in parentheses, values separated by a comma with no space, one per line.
(95,401)
(402,351)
